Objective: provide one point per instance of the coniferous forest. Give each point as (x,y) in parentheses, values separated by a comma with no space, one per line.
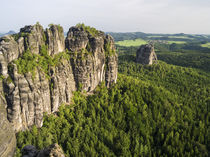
(152,110)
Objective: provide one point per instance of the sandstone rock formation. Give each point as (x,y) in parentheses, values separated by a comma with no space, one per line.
(90,63)
(146,55)
(34,37)
(27,98)
(53,150)
(55,39)
(84,59)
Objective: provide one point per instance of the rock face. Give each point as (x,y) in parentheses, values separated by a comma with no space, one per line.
(55,39)
(62,85)
(27,98)
(83,60)
(146,55)
(7,135)
(90,63)
(53,150)
(34,37)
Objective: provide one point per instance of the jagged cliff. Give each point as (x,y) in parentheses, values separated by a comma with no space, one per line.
(40,69)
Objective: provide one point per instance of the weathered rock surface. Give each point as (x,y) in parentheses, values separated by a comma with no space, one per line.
(111,60)
(9,51)
(62,85)
(28,97)
(90,61)
(77,39)
(7,135)
(53,150)
(55,39)
(34,37)
(146,55)
(9,48)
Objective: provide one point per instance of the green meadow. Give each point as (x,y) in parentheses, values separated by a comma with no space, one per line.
(206,45)
(155,36)
(180,37)
(176,42)
(139,42)
(128,43)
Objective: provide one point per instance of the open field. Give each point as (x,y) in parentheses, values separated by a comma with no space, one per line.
(139,42)
(155,36)
(129,43)
(206,45)
(180,37)
(176,42)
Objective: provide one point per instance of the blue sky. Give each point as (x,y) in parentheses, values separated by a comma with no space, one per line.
(150,16)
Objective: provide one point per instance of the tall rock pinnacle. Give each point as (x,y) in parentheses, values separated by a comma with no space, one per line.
(146,55)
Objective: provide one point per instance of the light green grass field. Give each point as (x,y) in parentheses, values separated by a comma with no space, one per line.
(206,45)
(155,36)
(128,43)
(176,42)
(180,37)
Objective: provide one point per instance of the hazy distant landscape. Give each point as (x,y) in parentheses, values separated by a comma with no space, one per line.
(8,33)
(105,78)
(152,110)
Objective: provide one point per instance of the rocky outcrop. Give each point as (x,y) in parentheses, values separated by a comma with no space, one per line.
(89,59)
(146,55)
(7,135)
(55,39)
(91,65)
(28,97)
(9,51)
(29,151)
(111,60)
(34,37)
(53,150)
(9,48)
(62,85)
(87,62)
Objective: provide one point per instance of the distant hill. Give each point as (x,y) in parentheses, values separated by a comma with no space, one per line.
(127,35)
(8,33)
(150,36)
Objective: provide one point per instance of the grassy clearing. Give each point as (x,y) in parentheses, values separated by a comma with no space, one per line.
(206,45)
(176,42)
(155,36)
(180,37)
(128,43)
